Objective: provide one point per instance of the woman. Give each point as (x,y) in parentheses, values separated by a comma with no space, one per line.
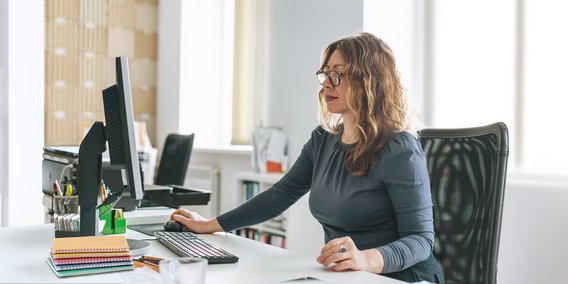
(364,167)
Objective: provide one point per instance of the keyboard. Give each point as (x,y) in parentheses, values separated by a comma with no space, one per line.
(189,244)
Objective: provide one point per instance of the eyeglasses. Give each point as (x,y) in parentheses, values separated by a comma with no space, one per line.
(334,77)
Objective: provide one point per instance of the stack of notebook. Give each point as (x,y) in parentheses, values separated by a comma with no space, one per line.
(89,255)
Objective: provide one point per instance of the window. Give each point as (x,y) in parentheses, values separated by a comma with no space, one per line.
(490,61)
(222,62)
(544,107)
(478,62)
(206,70)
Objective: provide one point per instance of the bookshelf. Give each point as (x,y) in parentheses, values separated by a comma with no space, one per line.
(273,231)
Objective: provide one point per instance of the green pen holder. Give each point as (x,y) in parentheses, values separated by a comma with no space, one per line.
(113,225)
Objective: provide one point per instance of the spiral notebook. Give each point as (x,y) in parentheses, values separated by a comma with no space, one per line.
(79,260)
(89,255)
(87,271)
(90,264)
(89,244)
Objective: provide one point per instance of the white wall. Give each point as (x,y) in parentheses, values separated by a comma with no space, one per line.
(400,26)
(168,84)
(227,162)
(299,31)
(22,61)
(534,233)
(3,106)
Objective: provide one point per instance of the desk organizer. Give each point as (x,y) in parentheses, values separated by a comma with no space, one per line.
(113,224)
(66,216)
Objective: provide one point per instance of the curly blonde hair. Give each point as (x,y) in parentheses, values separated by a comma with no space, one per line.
(375,96)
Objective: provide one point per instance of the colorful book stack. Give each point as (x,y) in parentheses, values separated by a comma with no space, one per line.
(262,236)
(89,255)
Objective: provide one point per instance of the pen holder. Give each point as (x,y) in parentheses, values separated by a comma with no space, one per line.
(66,215)
(115,223)
(65,204)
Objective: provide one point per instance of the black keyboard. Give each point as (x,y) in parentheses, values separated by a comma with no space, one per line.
(188,244)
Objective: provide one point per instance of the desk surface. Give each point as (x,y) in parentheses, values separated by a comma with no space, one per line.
(24,251)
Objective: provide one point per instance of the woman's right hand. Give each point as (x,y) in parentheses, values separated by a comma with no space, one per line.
(195,222)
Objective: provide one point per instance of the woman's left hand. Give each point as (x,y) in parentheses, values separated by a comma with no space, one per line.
(346,256)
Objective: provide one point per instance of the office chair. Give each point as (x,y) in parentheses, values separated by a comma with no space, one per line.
(175,159)
(467,169)
(171,174)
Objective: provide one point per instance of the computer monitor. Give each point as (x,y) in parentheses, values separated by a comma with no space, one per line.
(119,117)
(119,132)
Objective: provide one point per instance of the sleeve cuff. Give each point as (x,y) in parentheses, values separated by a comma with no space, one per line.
(224,223)
(388,265)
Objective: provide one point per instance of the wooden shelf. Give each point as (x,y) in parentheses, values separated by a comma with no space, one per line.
(268,178)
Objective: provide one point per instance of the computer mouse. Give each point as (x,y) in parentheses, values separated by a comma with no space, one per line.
(173,226)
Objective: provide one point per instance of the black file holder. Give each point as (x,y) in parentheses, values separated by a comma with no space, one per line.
(176,196)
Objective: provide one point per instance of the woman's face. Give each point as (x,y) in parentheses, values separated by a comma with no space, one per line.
(336,96)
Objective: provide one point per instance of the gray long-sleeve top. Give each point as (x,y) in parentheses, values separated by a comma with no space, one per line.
(389,209)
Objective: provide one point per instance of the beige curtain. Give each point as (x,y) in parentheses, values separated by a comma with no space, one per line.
(250,68)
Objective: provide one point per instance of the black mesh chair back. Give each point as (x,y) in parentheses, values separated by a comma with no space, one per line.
(175,159)
(467,170)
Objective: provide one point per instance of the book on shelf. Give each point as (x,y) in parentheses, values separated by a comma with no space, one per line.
(89,255)
(278,241)
(274,224)
(250,189)
(265,237)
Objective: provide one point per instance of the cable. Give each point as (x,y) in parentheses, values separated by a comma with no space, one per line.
(63,172)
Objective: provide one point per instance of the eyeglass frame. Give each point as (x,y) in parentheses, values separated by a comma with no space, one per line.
(327,76)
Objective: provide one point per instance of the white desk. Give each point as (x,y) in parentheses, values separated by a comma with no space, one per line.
(24,250)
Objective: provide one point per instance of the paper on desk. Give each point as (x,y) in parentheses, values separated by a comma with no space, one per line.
(304,280)
(142,275)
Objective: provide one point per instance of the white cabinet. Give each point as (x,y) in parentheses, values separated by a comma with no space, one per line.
(272,231)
